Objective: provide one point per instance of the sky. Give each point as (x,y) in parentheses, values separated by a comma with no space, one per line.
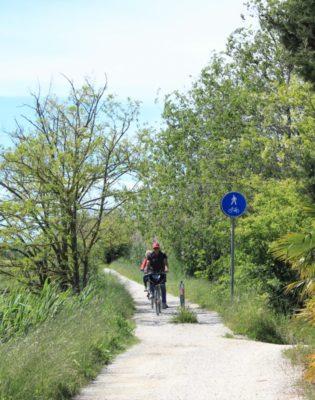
(145,48)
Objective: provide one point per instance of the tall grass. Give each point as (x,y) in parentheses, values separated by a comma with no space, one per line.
(64,352)
(20,310)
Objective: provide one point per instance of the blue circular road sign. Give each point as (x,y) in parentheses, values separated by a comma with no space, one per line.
(233,204)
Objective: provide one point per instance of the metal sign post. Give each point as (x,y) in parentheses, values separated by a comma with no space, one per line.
(232,257)
(233,204)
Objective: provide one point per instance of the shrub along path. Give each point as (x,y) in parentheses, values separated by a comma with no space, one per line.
(192,361)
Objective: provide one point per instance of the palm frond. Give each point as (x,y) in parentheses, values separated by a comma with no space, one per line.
(309,210)
(297,249)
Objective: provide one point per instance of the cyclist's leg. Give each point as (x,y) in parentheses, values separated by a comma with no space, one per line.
(145,278)
(152,299)
(151,288)
(151,292)
(146,282)
(163,291)
(157,299)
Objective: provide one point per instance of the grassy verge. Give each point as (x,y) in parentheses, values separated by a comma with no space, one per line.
(54,360)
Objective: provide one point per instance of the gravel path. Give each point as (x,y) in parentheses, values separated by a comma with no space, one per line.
(192,362)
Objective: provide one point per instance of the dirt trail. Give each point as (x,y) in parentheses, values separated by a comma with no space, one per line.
(192,362)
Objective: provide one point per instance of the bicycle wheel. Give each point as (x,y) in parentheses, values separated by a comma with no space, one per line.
(157,297)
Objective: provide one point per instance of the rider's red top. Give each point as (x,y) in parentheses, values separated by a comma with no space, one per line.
(144,264)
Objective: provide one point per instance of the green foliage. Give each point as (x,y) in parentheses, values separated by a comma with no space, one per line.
(297,249)
(21,310)
(295,22)
(277,206)
(59,357)
(114,241)
(138,248)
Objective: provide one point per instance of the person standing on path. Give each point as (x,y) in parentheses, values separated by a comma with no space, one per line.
(157,263)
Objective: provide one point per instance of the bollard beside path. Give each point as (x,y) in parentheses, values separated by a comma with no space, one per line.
(182,294)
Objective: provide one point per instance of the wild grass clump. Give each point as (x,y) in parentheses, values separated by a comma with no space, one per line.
(64,352)
(185,316)
(21,310)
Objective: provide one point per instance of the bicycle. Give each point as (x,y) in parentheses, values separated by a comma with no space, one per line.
(156,279)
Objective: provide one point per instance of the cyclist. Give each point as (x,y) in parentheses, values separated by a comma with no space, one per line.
(157,263)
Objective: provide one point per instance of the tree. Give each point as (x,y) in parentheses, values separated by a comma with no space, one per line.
(59,182)
(294,20)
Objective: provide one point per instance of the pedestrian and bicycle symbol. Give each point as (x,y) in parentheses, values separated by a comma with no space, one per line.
(233,204)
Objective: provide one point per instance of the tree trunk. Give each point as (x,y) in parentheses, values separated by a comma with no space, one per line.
(85,271)
(74,250)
